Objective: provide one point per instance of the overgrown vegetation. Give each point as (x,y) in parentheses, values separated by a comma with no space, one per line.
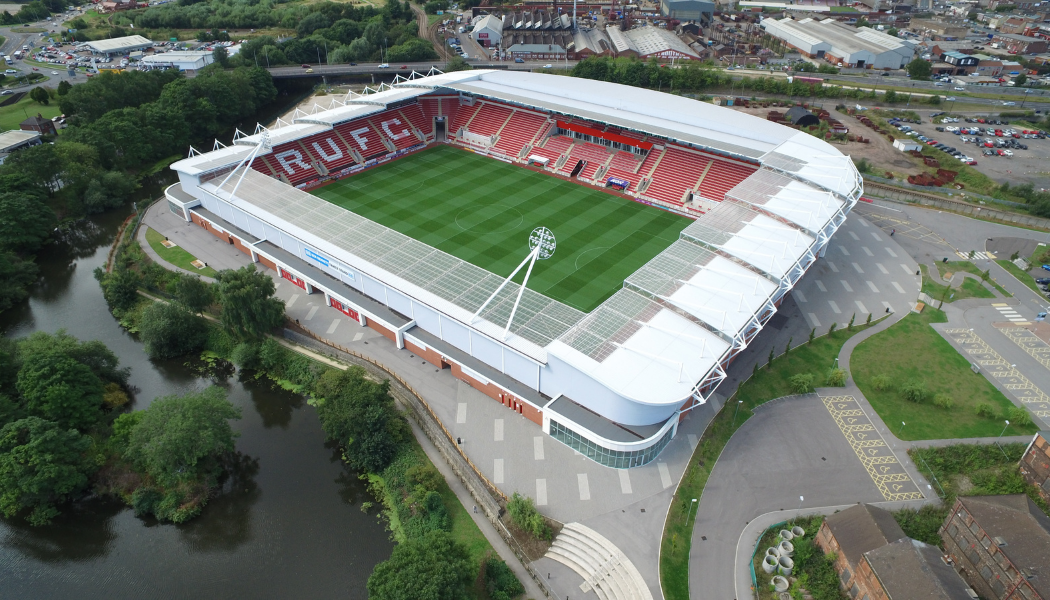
(814,571)
(524,514)
(923,366)
(775,381)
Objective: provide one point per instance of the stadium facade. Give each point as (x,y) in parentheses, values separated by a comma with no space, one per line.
(612,383)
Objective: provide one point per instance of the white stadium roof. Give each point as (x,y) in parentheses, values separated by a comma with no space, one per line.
(665,334)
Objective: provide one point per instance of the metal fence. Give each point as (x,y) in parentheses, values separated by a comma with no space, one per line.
(896,193)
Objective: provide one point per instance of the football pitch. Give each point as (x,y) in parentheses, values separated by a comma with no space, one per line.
(482,210)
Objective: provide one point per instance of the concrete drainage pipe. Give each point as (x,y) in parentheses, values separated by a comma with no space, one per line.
(770,563)
(786,565)
(798,531)
(779,584)
(786,548)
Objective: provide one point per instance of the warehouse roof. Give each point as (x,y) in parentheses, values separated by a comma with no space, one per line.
(121,44)
(15,138)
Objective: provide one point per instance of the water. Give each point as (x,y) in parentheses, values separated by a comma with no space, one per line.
(287,523)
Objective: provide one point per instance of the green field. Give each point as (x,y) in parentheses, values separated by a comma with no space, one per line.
(482,210)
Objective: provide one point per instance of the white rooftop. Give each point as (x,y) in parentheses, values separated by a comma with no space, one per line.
(131,42)
(16,137)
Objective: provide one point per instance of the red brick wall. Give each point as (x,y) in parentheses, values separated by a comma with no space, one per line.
(1035,466)
(496,393)
(267,262)
(428,355)
(383,330)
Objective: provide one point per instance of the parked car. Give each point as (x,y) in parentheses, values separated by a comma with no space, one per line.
(1046,267)
(519,60)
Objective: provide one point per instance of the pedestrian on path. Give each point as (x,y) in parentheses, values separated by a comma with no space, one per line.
(892,231)
(475,509)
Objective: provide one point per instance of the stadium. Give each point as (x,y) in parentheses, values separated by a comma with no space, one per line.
(657,235)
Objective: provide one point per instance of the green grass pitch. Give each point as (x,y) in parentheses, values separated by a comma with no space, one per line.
(482,211)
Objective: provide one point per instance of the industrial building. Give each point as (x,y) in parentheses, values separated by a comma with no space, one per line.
(183,60)
(16,139)
(121,45)
(488,31)
(842,45)
(688,10)
(613,383)
(646,42)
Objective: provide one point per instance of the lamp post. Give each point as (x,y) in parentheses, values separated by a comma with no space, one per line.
(901,429)
(799,510)
(738,403)
(693,507)
(1001,437)
(1025,99)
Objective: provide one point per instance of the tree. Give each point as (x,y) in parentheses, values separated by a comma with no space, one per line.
(58,388)
(919,69)
(1021,79)
(92,354)
(17,276)
(221,56)
(40,95)
(892,31)
(457,63)
(171,330)
(193,292)
(434,567)
(249,309)
(25,221)
(120,288)
(359,414)
(64,87)
(41,465)
(181,438)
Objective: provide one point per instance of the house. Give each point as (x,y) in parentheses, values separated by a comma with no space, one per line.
(38,124)
(874,559)
(1035,464)
(1001,544)
(1020,44)
(1014,24)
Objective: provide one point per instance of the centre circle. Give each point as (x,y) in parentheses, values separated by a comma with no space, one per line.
(494,218)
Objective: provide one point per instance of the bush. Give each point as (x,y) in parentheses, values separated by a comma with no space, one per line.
(836,378)
(943,401)
(524,514)
(113,395)
(882,382)
(500,581)
(987,411)
(914,391)
(170,330)
(1019,416)
(801,383)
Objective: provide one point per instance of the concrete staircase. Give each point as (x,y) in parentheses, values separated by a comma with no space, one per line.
(603,567)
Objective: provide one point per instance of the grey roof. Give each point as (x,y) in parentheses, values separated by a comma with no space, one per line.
(1024,528)
(908,569)
(130,42)
(15,138)
(844,37)
(862,528)
(650,40)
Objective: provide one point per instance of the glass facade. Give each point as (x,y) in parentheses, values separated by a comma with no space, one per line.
(617,459)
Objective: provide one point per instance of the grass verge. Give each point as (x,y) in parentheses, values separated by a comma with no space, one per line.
(945,268)
(11,116)
(769,382)
(1022,276)
(911,352)
(969,288)
(175,256)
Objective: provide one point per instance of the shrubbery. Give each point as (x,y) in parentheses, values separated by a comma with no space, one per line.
(524,514)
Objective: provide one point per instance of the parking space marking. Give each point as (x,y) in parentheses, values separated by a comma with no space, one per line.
(541,492)
(862,222)
(820,286)
(1033,398)
(335,323)
(813,320)
(882,268)
(845,284)
(892,253)
(834,307)
(665,475)
(625,481)
(358,336)
(897,286)
(887,305)
(313,311)
(801,297)
(497,470)
(844,251)
(461,413)
(867,251)
(1028,342)
(888,474)
(876,236)
(871,286)
(497,434)
(834,269)
(907,269)
(585,487)
(861,307)
(857,268)
(853,235)
(291,301)
(537,447)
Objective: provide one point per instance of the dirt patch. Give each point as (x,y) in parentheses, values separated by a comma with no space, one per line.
(532,547)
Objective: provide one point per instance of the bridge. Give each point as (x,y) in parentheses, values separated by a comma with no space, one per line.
(296,71)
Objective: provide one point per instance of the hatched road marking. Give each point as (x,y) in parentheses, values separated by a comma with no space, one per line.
(1028,342)
(888,474)
(1033,398)
(976,255)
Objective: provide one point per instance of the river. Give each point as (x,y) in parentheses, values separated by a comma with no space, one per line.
(288,524)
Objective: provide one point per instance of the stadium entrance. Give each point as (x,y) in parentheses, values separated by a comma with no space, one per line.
(576,170)
(439,129)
